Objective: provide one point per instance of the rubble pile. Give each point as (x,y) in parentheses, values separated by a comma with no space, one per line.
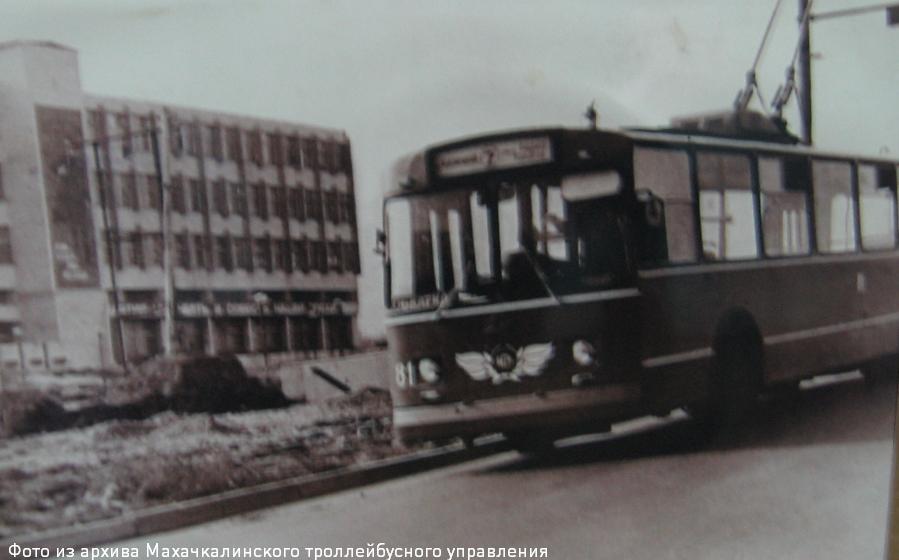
(74,476)
(205,384)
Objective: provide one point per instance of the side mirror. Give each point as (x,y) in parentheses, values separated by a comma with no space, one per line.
(380,243)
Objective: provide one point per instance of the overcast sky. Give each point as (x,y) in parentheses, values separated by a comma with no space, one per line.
(399,75)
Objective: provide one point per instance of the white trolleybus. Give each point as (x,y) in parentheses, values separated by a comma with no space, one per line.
(548,281)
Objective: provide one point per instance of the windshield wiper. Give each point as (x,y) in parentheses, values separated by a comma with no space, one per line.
(448,300)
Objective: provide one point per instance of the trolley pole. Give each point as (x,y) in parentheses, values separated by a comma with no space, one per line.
(165,220)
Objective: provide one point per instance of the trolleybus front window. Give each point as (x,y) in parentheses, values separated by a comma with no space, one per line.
(499,243)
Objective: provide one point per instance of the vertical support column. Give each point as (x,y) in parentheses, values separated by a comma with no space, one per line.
(288,334)
(251,336)
(326,342)
(211,342)
(165,220)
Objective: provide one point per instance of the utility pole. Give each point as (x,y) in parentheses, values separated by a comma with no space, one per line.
(805,54)
(805,72)
(165,225)
(111,237)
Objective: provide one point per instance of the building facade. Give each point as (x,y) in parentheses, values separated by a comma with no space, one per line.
(255,218)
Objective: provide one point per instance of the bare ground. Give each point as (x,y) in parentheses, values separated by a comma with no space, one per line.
(75,476)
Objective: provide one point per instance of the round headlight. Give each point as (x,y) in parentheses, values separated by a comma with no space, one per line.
(429,370)
(583,353)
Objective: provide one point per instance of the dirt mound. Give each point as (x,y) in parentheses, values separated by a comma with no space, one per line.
(187,385)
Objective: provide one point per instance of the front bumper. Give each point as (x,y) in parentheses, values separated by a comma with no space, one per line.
(559,410)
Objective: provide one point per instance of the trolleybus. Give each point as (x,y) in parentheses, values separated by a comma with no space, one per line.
(548,281)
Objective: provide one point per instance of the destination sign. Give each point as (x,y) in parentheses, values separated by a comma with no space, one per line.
(506,154)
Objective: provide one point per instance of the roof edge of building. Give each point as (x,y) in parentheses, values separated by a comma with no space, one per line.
(34,43)
(273,122)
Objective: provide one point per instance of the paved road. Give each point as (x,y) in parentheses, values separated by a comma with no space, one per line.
(811,481)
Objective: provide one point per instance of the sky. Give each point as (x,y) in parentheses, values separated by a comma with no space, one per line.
(399,75)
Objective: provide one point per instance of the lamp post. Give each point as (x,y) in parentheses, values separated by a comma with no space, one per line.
(805,57)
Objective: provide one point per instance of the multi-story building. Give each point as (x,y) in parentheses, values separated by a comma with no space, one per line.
(262,237)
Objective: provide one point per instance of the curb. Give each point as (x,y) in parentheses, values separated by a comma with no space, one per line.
(243,500)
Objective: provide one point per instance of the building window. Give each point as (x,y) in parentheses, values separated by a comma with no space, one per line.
(294,157)
(182,251)
(346,159)
(145,124)
(319,259)
(300,255)
(215,141)
(314,205)
(279,201)
(200,251)
(5,246)
(345,209)
(263,250)
(193,140)
(326,155)
(155,249)
(282,254)
(244,254)
(233,140)
(134,249)
(310,152)
(129,191)
(152,191)
(197,196)
(335,260)
(123,122)
(239,199)
(260,200)
(350,257)
(176,190)
(223,253)
(95,121)
(177,137)
(331,213)
(275,149)
(220,198)
(296,204)
(254,144)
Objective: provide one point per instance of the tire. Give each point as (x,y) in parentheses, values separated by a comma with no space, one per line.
(735,381)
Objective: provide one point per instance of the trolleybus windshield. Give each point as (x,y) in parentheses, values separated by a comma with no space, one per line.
(502,242)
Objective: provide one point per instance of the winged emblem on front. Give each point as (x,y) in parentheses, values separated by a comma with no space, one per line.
(506,363)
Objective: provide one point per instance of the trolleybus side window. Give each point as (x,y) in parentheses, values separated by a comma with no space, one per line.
(877,206)
(727,206)
(665,173)
(834,206)
(784,202)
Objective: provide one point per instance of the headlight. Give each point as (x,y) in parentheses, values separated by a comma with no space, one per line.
(583,353)
(429,370)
